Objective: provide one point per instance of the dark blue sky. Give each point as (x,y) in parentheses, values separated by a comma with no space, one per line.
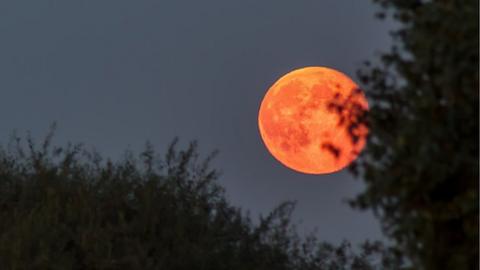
(116,73)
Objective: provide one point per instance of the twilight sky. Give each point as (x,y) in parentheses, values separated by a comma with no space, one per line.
(116,73)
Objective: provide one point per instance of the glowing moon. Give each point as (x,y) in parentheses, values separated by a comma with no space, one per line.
(300,129)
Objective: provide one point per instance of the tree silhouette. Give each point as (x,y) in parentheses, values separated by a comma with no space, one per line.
(421,163)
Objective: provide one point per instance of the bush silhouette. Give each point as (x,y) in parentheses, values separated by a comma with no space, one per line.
(67,208)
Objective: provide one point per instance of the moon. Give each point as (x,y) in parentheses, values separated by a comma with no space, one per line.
(300,127)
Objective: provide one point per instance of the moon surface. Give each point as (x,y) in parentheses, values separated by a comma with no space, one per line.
(300,128)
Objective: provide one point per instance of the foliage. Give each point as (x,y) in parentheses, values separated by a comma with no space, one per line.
(421,164)
(67,208)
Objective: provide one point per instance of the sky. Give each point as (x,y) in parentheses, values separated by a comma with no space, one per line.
(116,73)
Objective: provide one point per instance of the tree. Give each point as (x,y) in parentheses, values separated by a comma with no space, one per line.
(421,164)
(67,208)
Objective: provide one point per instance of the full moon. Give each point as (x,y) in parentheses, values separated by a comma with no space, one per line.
(302,129)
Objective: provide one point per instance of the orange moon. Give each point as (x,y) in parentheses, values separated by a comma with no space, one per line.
(300,129)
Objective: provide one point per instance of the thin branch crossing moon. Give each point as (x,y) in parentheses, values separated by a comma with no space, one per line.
(307,120)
